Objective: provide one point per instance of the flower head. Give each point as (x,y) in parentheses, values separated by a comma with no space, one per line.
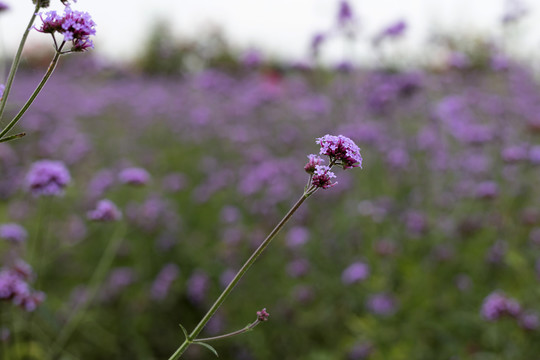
(262,315)
(134,176)
(313,161)
(3,6)
(105,211)
(13,233)
(341,150)
(48,178)
(497,305)
(322,177)
(76,26)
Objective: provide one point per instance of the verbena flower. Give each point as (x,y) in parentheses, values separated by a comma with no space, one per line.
(355,272)
(105,211)
(341,150)
(3,7)
(15,288)
(497,305)
(322,177)
(134,176)
(263,315)
(47,178)
(76,26)
(313,161)
(14,233)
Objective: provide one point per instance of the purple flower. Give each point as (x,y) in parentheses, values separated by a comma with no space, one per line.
(134,176)
(381,304)
(298,268)
(14,233)
(2,88)
(313,161)
(496,305)
(322,177)
(47,178)
(487,190)
(3,7)
(356,272)
(76,26)
(297,236)
(105,211)
(263,315)
(345,14)
(341,150)
(534,155)
(529,321)
(163,281)
(197,287)
(14,288)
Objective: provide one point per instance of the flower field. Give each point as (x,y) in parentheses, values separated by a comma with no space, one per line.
(133,200)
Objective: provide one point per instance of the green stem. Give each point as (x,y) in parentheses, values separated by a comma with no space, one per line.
(191,338)
(29,102)
(237,332)
(16,61)
(95,281)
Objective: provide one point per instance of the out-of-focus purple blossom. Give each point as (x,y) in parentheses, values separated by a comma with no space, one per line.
(515,153)
(47,178)
(416,222)
(354,273)
(230,214)
(134,176)
(252,58)
(385,247)
(382,304)
(303,294)
(496,252)
(75,26)
(534,155)
(3,7)
(486,190)
(514,12)
(174,182)
(499,62)
(360,351)
(322,177)
(163,281)
(13,233)
(458,60)
(313,161)
(298,268)
(226,277)
(393,31)
(100,183)
(297,236)
(197,287)
(15,288)
(316,43)
(341,150)
(497,305)
(105,211)
(345,13)
(23,270)
(118,279)
(529,321)
(398,158)
(463,282)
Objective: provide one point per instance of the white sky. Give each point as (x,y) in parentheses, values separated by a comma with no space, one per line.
(279,27)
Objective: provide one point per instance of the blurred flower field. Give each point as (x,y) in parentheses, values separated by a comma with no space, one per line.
(431,251)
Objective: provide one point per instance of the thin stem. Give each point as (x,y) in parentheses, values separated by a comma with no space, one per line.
(235,280)
(237,332)
(16,61)
(94,285)
(40,86)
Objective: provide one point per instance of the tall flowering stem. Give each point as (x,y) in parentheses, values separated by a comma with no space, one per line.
(30,100)
(342,152)
(16,61)
(191,338)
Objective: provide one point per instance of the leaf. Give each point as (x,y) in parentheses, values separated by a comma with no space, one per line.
(184,331)
(208,347)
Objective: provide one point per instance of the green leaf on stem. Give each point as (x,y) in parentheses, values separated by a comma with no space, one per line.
(208,347)
(184,331)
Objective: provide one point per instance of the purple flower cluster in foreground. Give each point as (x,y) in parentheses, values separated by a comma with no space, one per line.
(76,26)
(47,178)
(341,150)
(14,287)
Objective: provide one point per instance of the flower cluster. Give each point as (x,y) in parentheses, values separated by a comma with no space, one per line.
(105,211)
(341,150)
(497,305)
(14,287)
(263,315)
(47,177)
(322,177)
(13,233)
(134,176)
(76,26)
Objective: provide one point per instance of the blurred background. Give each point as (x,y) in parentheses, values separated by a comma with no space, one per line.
(195,118)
